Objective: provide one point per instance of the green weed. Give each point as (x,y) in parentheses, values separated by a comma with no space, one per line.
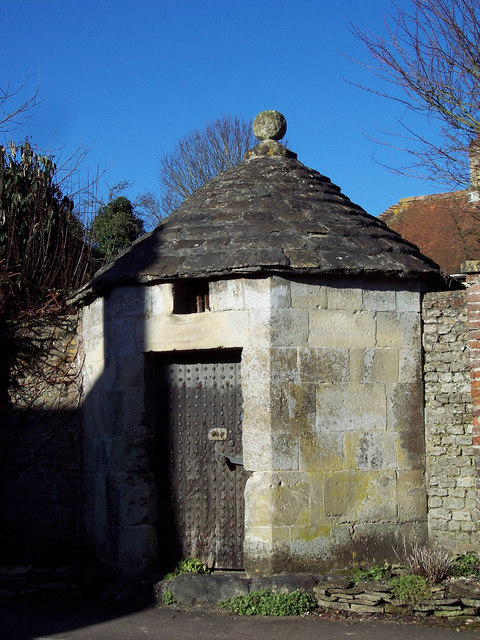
(411,589)
(465,565)
(168,597)
(377,572)
(187,565)
(267,603)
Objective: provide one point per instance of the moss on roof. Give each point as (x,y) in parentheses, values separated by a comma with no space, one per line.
(270,214)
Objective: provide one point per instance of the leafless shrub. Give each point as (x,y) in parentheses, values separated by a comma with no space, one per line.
(432,563)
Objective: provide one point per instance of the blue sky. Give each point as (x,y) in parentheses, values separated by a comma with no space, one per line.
(132,76)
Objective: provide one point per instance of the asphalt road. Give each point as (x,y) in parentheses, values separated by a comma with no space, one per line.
(32,621)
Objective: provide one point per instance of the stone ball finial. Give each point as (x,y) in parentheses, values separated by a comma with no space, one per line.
(269,125)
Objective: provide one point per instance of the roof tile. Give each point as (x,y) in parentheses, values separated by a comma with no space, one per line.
(269,214)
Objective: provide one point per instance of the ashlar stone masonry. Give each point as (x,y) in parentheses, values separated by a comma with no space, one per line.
(331,379)
(321,303)
(343,477)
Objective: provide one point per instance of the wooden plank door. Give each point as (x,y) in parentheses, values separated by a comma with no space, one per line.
(201,477)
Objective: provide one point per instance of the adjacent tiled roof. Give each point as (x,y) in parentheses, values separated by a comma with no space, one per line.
(270,214)
(444,226)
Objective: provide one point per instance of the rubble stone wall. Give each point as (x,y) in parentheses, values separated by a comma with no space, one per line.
(39,443)
(450,461)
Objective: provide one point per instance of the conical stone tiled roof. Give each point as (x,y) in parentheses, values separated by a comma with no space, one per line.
(270,214)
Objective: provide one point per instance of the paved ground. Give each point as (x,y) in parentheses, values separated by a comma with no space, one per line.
(32,621)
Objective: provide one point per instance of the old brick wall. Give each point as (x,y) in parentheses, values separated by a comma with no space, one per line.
(450,462)
(39,449)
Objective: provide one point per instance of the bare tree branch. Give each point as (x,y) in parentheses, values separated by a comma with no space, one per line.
(13,111)
(200,156)
(149,208)
(430,60)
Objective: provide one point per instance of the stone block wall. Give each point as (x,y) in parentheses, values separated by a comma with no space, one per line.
(332,429)
(118,484)
(346,476)
(333,425)
(450,459)
(39,444)
(120,502)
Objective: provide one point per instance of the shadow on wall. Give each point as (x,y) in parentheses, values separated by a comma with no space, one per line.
(119,487)
(63,479)
(118,480)
(39,445)
(41,493)
(39,487)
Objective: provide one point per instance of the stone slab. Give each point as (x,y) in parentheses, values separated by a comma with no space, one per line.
(363,608)
(204,589)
